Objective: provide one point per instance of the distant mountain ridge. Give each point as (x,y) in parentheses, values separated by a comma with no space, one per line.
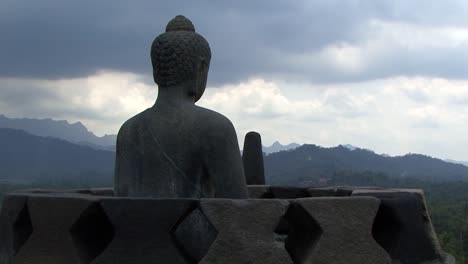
(350,147)
(76,132)
(276,147)
(311,162)
(464,163)
(69,151)
(26,157)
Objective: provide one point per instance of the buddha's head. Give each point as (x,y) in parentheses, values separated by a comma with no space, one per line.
(180,56)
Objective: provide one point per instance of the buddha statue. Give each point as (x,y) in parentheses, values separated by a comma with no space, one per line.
(176,148)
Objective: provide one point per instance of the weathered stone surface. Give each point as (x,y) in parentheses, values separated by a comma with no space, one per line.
(252,157)
(87,228)
(403,226)
(194,235)
(289,192)
(259,191)
(51,242)
(143,230)
(245,231)
(322,192)
(97,191)
(15,226)
(41,191)
(446,259)
(301,232)
(338,191)
(346,237)
(281,192)
(344,191)
(91,233)
(91,191)
(176,149)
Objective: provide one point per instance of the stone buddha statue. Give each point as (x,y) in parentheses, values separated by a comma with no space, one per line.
(175,148)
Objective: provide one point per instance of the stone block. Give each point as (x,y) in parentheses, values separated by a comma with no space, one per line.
(245,231)
(88,228)
(322,192)
(280,192)
(15,226)
(259,191)
(51,240)
(341,232)
(403,226)
(194,234)
(96,191)
(143,230)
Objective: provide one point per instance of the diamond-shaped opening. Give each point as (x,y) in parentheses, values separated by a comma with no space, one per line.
(193,235)
(282,230)
(301,232)
(386,229)
(92,233)
(22,229)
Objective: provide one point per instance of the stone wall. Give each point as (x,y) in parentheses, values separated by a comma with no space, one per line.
(278,225)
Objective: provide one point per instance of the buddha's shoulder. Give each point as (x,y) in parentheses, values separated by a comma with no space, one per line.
(211,121)
(134,122)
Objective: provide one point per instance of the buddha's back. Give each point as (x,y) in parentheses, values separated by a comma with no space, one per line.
(175,148)
(189,154)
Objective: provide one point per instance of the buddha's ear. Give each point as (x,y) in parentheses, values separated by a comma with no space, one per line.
(202,64)
(155,78)
(201,75)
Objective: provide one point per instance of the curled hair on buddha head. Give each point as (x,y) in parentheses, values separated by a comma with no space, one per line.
(174,54)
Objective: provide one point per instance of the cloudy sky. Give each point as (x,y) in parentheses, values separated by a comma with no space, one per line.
(391,76)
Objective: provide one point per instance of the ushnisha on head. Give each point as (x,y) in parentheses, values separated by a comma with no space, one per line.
(181,57)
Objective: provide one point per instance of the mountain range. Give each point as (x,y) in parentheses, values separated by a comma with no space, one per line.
(48,150)
(277,147)
(76,132)
(28,158)
(465,163)
(311,162)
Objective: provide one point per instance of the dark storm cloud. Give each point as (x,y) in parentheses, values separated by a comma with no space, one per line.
(63,39)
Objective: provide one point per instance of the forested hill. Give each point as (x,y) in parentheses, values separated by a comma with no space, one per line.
(311,162)
(25,157)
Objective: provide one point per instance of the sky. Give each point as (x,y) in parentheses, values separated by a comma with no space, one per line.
(390,76)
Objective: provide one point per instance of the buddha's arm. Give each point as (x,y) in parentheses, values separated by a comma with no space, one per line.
(125,165)
(224,164)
